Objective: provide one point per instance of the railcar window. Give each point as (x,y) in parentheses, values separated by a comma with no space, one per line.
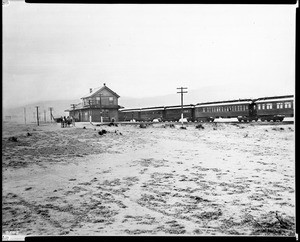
(258,106)
(279,105)
(287,105)
(263,106)
(246,107)
(269,105)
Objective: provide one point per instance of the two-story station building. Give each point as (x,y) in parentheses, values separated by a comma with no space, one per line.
(99,105)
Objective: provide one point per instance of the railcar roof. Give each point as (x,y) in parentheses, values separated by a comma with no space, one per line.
(276,98)
(179,107)
(157,108)
(223,103)
(228,101)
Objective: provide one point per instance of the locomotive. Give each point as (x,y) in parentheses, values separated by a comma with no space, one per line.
(245,110)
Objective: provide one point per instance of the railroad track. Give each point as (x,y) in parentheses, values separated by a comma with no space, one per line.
(208,123)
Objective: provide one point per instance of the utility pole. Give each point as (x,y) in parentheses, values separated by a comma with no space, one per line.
(101,119)
(182,91)
(73,106)
(51,108)
(25,115)
(45,116)
(90,111)
(37,115)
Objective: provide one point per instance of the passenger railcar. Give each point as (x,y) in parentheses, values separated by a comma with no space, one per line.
(129,114)
(275,108)
(149,114)
(265,109)
(243,110)
(173,113)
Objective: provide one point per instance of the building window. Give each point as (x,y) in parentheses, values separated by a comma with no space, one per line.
(98,100)
(288,105)
(111,100)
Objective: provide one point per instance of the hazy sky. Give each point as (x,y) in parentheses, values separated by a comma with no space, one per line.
(57,51)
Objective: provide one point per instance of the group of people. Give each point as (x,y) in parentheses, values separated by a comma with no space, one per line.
(67,121)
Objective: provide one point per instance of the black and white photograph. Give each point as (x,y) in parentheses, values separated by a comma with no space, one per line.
(148,120)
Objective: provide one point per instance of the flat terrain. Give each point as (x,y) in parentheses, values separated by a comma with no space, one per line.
(225,179)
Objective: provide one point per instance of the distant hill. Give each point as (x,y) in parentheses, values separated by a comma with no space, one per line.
(17,114)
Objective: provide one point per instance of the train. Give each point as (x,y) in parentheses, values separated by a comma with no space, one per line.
(274,109)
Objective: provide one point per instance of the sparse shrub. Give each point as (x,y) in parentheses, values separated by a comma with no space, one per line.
(14,139)
(199,126)
(102,132)
(143,126)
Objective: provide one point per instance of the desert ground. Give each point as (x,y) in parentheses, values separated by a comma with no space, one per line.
(222,179)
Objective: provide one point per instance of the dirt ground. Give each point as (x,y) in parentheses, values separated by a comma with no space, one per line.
(225,179)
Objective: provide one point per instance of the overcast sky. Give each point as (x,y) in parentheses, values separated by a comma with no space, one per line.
(57,51)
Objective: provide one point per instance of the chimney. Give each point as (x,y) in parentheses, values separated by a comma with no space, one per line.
(91,90)
(104,84)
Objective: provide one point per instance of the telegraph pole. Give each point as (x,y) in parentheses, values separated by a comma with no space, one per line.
(73,106)
(90,111)
(182,91)
(51,108)
(37,115)
(25,115)
(45,116)
(101,119)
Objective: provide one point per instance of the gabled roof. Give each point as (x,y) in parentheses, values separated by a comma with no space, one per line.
(99,89)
